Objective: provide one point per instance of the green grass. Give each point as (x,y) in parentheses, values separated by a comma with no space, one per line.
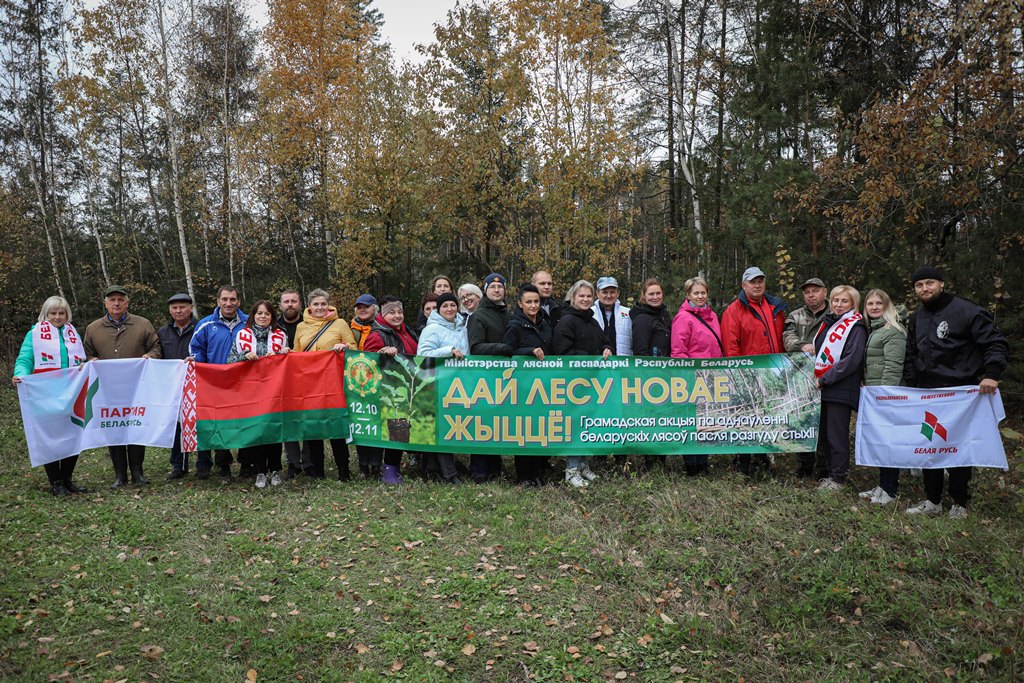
(657,578)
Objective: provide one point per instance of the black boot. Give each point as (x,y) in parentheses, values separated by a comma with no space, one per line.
(120,462)
(70,487)
(176,473)
(135,465)
(58,489)
(374,473)
(364,470)
(341,462)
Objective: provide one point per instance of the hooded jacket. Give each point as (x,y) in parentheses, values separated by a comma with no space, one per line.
(486,329)
(578,334)
(651,330)
(383,335)
(953,342)
(883,360)
(691,338)
(338,333)
(841,384)
(523,336)
(213,339)
(746,333)
(440,338)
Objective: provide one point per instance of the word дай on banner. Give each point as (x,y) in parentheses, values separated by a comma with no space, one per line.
(929,428)
(575,405)
(101,403)
(290,397)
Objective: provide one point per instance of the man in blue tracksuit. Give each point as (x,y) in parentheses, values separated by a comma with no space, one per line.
(211,343)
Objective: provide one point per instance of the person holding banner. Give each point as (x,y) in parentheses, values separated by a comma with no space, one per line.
(839,356)
(119,334)
(261,337)
(696,333)
(390,336)
(469,299)
(53,343)
(883,366)
(175,338)
(578,334)
(529,334)
(443,337)
(363,314)
(652,328)
(486,329)
(798,336)
(752,325)
(322,330)
(951,342)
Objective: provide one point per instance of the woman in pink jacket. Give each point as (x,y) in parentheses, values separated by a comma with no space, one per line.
(696,333)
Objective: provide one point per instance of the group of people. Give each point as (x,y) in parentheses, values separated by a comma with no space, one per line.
(947,341)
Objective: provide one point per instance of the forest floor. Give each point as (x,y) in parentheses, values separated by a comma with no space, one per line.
(650,578)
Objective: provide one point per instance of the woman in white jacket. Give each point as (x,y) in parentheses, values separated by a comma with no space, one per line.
(444,337)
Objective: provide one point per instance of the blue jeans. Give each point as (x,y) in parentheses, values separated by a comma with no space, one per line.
(573,462)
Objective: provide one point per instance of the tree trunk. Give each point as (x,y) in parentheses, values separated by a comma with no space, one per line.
(172,142)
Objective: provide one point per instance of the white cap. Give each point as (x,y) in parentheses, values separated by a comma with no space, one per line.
(606,282)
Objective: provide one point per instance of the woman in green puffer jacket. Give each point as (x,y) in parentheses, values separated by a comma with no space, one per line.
(883,366)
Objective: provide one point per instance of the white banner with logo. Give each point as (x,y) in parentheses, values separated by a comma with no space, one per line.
(929,428)
(102,403)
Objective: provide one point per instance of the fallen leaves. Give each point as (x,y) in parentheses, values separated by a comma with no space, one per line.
(251,676)
(468,649)
(151,651)
(397,665)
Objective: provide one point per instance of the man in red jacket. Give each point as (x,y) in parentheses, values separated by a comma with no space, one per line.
(752,325)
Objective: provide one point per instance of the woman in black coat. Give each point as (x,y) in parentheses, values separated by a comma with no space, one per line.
(578,334)
(529,334)
(652,324)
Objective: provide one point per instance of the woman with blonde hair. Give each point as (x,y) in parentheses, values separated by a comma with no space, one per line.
(883,366)
(53,343)
(838,356)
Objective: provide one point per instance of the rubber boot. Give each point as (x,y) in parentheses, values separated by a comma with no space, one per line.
(341,462)
(120,462)
(135,465)
(70,487)
(390,475)
(58,489)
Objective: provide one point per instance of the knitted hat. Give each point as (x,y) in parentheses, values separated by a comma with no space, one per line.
(447,296)
(493,277)
(391,306)
(927,273)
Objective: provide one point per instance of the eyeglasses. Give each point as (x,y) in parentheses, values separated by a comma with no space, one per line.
(466,297)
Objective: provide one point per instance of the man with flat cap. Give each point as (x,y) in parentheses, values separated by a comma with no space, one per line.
(119,334)
(175,337)
(798,335)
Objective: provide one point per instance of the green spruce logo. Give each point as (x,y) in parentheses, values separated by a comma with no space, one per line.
(81,414)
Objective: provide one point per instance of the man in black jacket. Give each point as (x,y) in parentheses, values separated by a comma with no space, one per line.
(951,342)
(175,337)
(486,332)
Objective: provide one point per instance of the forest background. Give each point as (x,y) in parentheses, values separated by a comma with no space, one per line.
(171,145)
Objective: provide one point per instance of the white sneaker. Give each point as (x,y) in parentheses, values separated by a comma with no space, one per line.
(587,473)
(830,485)
(575,479)
(882,498)
(261,481)
(873,493)
(926,507)
(275,478)
(958,512)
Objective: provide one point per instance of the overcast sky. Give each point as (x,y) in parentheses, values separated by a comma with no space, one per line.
(407,22)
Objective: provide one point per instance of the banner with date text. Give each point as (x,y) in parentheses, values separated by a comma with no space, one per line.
(581,405)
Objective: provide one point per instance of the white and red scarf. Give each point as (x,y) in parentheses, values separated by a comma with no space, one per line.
(245,341)
(46,346)
(832,350)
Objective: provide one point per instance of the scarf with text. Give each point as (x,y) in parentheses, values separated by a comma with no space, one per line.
(46,346)
(245,341)
(832,349)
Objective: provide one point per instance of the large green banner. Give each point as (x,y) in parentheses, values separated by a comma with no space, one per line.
(582,405)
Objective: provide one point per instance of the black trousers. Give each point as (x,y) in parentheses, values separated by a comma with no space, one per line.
(530,467)
(959,484)
(265,458)
(340,450)
(62,470)
(835,427)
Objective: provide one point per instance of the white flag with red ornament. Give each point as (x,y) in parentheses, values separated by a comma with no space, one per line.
(102,403)
(929,428)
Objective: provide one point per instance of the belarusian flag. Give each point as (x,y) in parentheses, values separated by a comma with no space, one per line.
(290,397)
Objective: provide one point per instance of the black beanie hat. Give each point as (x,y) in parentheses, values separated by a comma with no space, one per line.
(927,273)
(447,296)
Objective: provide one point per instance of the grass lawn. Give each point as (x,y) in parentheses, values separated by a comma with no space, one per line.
(655,578)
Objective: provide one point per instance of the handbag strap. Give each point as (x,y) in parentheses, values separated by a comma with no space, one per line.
(711,330)
(312,342)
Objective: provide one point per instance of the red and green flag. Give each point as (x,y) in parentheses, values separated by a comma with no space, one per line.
(290,397)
